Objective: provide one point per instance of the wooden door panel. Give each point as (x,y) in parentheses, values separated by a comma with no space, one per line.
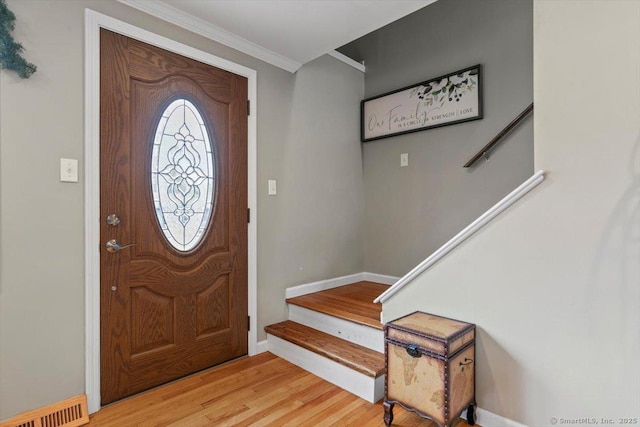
(149,63)
(114,111)
(166,313)
(212,307)
(152,319)
(153,243)
(167,281)
(150,368)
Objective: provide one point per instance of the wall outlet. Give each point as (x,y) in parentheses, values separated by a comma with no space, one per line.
(272,187)
(404,159)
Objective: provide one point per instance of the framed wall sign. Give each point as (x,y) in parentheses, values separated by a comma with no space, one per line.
(445,100)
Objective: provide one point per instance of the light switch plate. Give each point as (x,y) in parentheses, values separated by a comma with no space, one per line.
(404,159)
(272,187)
(69,170)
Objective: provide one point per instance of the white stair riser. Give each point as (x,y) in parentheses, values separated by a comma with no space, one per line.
(365,336)
(369,389)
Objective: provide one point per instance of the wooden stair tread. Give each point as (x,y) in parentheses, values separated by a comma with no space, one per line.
(354,356)
(352,302)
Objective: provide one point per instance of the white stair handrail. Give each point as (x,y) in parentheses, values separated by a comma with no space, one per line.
(480,222)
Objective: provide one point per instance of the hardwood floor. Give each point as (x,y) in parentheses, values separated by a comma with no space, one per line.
(262,390)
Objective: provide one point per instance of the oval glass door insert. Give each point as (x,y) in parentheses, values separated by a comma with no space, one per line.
(182,175)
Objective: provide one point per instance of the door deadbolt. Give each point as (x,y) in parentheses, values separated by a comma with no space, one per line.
(113,220)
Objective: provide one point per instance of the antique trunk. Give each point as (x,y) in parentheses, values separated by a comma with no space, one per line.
(430,367)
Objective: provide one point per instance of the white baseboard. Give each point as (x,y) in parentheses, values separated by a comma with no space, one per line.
(369,389)
(380,278)
(322,285)
(489,419)
(261,347)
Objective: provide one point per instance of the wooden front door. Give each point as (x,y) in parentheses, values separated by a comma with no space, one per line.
(173,183)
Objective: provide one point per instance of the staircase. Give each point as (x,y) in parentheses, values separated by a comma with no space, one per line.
(336,334)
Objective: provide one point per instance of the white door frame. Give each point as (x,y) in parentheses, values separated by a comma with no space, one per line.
(93,22)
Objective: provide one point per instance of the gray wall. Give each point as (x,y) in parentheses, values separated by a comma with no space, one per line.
(412,211)
(307,139)
(553,282)
(313,229)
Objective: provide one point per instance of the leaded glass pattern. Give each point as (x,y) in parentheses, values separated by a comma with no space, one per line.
(182,175)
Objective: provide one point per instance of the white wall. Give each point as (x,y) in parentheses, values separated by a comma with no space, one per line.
(554,283)
(307,139)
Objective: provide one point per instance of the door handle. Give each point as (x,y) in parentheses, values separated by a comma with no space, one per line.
(114,246)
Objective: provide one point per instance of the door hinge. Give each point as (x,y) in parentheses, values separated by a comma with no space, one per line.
(248,107)
(248,215)
(248,323)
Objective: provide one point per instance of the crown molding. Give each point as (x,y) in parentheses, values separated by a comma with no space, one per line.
(196,25)
(344,58)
